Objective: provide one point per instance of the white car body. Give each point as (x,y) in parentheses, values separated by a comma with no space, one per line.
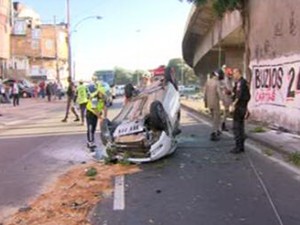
(132,138)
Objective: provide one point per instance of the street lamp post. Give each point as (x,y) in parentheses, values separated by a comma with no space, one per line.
(181,72)
(69,40)
(69,34)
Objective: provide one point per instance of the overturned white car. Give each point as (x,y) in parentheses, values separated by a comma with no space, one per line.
(146,127)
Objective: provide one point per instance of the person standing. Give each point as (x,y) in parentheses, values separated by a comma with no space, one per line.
(82,99)
(95,109)
(49,91)
(226,88)
(15,93)
(70,101)
(212,94)
(241,97)
(59,90)
(42,88)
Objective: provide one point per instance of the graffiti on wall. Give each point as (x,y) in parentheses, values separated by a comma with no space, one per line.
(275,92)
(276,82)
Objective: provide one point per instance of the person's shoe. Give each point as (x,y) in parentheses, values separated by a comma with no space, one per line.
(64,120)
(224,128)
(76,120)
(91,146)
(214,137)
(236,151)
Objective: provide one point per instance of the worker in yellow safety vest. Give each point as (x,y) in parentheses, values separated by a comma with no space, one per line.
(82,99)
(95,109)
(99,86)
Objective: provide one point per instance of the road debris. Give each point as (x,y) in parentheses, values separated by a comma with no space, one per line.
(70,199)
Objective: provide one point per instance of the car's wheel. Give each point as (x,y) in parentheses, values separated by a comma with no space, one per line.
(170,77)
(129,90)
(158,117)
(105,134)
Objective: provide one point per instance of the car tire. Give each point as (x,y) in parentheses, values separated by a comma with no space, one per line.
(170,77)
(129,90)
(105,127)
(158,117)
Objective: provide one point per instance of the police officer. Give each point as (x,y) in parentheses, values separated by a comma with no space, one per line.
(82,99)
(212,95)
(95,109)
(241,97)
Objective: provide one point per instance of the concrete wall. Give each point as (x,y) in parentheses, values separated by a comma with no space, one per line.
(220,30)
(275,62)
(4,29)
(234,57)
(208,64)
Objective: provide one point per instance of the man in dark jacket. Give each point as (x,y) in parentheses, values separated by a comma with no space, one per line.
(70,101)
(241,97)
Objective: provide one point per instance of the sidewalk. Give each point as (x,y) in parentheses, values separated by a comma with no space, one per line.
(282,142)
(29,109)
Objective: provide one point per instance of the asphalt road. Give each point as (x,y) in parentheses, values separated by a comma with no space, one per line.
(36,150)
(203,184)
(36,147)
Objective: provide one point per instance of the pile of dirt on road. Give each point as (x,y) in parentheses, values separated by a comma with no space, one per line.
(70,199)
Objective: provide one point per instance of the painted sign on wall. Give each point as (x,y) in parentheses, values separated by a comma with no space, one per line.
(275,91)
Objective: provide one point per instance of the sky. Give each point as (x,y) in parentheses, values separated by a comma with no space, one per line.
(132,34)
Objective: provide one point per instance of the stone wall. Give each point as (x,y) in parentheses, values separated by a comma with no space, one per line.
(4,29)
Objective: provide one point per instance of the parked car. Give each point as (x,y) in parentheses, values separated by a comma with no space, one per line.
(147,125)
(26,88)
(120,90)
(109,94)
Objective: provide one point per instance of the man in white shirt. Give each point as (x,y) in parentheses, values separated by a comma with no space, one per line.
(15,93)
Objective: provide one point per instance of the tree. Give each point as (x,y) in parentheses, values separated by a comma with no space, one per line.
(221,6)
(136,76)
(122,76)
(183,73)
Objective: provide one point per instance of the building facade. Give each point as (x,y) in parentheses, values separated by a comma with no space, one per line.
(263,41)
(38,51)
(5,30)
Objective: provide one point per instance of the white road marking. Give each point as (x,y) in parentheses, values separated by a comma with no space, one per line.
(254,148)
(119,193)
(258,150)
(262,183)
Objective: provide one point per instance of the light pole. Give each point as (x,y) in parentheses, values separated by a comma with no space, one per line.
(181,72)
(69,34)
(74,29)
(69,40)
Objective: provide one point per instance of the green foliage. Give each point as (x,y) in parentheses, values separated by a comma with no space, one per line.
(197,2)
(91,172)
(123,76)
(258,129)
(268,152)
(295,158)
(183,73)
(221,6)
